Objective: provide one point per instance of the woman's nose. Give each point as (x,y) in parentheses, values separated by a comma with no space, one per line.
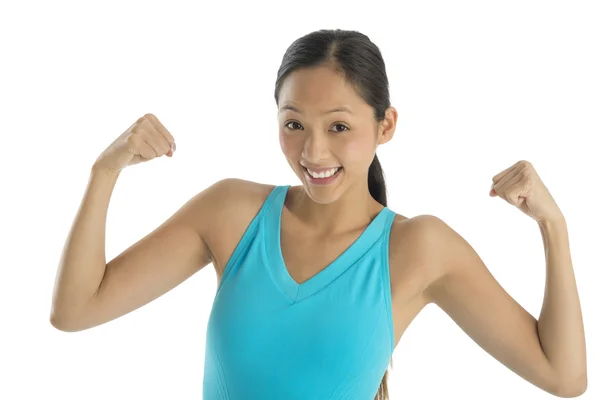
(316,147)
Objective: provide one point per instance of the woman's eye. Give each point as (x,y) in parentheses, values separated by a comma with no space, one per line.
(342,129)
(344,126)
(291,122)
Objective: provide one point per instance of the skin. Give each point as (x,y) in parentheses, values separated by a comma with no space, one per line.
(349,139)
(318,224)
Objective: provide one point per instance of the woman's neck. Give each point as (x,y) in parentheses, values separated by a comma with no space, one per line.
(354,209)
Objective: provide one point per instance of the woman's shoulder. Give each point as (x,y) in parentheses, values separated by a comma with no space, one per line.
(419,227)
(417,233)
(235,201)
(242,192)
(414,244)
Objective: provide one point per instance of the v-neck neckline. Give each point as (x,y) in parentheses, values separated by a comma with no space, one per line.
(299,291)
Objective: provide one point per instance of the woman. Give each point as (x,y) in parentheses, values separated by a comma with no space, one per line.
(317,282)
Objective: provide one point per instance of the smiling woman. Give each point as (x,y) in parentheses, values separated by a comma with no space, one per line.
(316,283)
(332,116)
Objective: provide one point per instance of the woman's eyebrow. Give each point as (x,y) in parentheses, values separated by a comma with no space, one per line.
(336,109)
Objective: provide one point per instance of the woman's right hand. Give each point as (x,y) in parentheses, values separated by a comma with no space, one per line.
(145,140)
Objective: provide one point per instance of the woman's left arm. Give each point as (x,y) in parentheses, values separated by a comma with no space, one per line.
(560,324)
(549,352)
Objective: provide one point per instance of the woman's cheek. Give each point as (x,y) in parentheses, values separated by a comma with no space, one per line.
(284,143)
(358,150)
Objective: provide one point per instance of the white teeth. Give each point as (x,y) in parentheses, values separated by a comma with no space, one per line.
(325,174)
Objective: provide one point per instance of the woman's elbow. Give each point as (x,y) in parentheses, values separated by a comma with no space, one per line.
(573,387)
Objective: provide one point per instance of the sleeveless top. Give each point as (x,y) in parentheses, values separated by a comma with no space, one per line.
(331,337)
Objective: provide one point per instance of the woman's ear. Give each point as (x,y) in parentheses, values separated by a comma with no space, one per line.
(387,127)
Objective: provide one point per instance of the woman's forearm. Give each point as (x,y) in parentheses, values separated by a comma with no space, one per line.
(560,324)
(83,259)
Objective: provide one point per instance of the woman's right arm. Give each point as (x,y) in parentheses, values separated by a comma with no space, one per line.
(89,292)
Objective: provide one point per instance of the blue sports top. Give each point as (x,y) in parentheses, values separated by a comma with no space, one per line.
(330,337)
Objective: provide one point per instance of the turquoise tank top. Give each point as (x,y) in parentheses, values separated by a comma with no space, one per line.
(330,337)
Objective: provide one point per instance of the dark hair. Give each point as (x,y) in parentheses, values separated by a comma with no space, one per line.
(359,62)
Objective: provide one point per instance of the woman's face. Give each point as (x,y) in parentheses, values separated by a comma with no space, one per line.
(312,136)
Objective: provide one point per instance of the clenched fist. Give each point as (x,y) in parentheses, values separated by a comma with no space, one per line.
(146,139)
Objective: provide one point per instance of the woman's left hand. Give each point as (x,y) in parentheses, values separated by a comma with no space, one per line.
(521,186)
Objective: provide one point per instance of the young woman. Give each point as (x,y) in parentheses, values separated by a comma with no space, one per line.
(318,282)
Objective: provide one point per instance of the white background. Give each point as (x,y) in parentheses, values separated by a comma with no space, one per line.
(478,86)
